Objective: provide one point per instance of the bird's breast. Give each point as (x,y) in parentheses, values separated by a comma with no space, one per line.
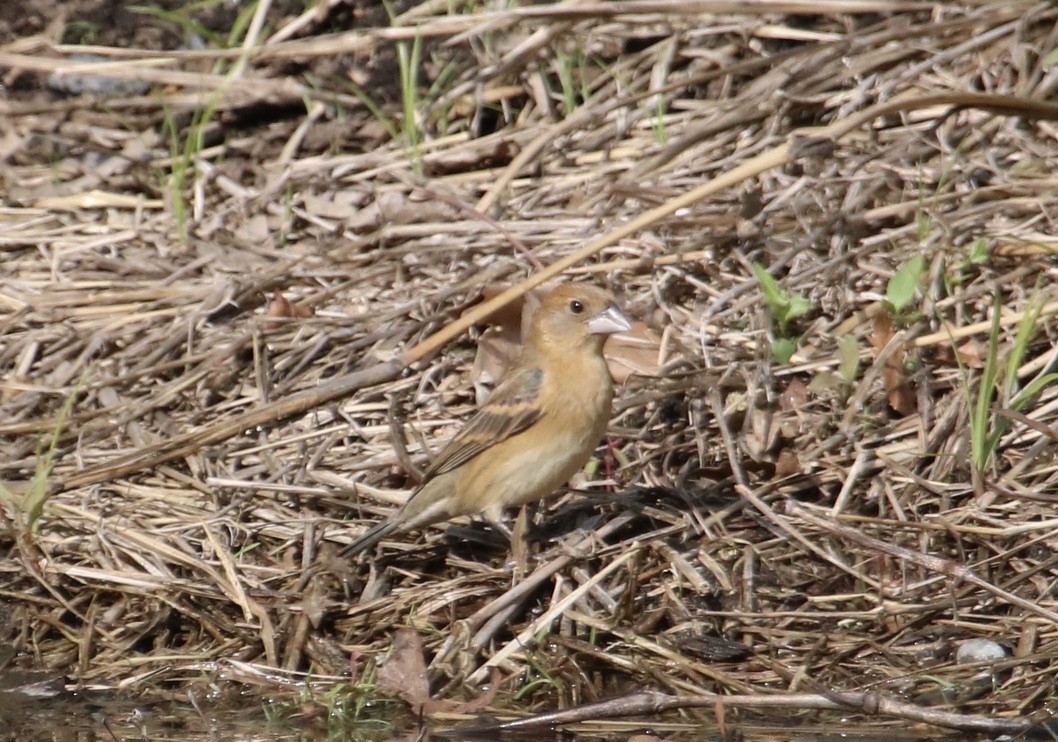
(531,465)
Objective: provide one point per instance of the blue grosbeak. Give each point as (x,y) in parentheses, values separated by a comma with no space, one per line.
(538,427)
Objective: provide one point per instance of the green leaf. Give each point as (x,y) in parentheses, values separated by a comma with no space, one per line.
(783,306)
(782,350)
(924,224)
(978,252)
(1031,390)
(774,295)
(902,286)
(849,353)
(798,306)
(982,445)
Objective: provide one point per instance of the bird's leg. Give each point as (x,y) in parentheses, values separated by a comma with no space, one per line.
(500,527)
(609,459)
(519,540)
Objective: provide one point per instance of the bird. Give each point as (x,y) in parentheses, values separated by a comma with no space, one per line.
(537,428)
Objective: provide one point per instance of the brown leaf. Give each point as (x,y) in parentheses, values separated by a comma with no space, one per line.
(393,208)
(760,434)
(787,463)
(500,344)
(972,353)
(280,306)
(497,348)
(826,382)
(795,396)
(404,669)
(898,390)
(314,604)
(255,230)
(514,314)
(881,331)
(633,353)
(404,672)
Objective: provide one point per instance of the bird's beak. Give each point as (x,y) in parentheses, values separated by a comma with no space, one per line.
(609,321)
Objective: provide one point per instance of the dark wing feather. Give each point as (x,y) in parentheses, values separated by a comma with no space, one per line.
(371,537)
(511,408)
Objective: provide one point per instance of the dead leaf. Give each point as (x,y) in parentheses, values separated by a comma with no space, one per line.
(404,670)
(280,306)
(972,353)
(515,313)
(314,604)
(826,382)
(760,434)
(787,463)
(497,348)
(795,396)
(392,208)
(254,230)
(633,353)
(898,390)
(881,331)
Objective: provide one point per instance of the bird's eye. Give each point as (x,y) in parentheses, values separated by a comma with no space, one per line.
(576,307)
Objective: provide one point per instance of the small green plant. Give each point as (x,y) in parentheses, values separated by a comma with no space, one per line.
(978,252)
(965,269)
(80,32)
(999,379)
(537,676)
(661,136)
(923,221)
(849,358)
(408,59)
(371,105)
(340,712)
(784,308)
(185,149)
(181,19)
(901,289)
(572,70)
(435,101)
(181,154)
(29,505)
(566,79)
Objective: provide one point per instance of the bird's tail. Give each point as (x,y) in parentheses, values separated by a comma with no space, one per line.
(369,538)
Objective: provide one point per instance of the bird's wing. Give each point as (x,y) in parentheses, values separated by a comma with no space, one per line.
(511,408)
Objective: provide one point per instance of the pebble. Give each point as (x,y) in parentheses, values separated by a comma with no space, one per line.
(979,650)
(95,84)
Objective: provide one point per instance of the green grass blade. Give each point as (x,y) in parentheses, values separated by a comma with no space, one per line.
(981,443)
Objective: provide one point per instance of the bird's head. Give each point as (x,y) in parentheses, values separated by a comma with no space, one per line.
(576,315)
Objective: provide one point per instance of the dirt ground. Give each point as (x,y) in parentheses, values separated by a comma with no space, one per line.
(237,295)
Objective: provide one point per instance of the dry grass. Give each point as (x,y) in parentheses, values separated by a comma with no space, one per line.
(214,460)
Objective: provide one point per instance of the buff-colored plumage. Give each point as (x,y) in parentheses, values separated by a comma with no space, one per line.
(539,426)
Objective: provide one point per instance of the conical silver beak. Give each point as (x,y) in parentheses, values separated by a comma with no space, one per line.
(609,321)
